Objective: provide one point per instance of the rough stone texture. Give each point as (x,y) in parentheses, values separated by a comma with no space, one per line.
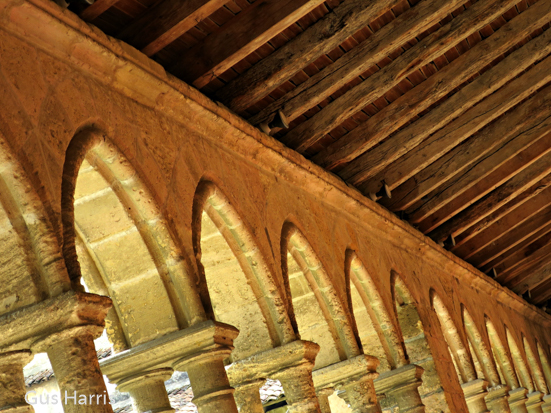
(58,81)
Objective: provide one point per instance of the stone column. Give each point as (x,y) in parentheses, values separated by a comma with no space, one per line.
(534,402)
(299,387)
(475,392)
(497,399)
(75,363)
(212,392)
(12,382)
(247,396)
(323,398)
(148,391)
(361,395)
(402,384)
(517,400)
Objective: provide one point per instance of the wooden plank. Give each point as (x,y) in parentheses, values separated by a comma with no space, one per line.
(358,60)
(95,10)
(424,141)
(496,198)
(536,252)
(520,232)
(542,292)
(368,134)
(166,21)
(490,242)
(508,254)
(508,208)
(460,159)
(531,278)
(241,36)
(506,160)
(326,34)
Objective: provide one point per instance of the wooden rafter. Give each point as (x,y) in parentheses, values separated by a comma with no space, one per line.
(542,292)
(235,40)
(535,254)
(95,10)
(327,34)
(420,98)
(531,278)
(166,21)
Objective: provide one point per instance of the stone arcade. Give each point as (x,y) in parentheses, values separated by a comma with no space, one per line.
(209,247)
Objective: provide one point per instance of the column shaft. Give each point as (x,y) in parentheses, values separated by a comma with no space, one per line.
(402,385)
(534,402)
(299,388)
(361,395)
(148,391)
(497,399)
(247,397)
(12,382)
(517,400)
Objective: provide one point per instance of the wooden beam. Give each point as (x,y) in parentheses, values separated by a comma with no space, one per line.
(508,208)
(470,152)
(368,53)
(496,198)
(512,252)
(507,160)
(510,239)
(280,66)
(166,21)
(418,99)
(503,231)
(531,278)
(423,142)
(238,38)
(535,253)
(95,10)
(542,292)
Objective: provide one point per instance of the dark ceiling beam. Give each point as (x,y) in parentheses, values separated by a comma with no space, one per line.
(326,34)
(511,228)
(368,53)
(166,21)
(238,38)
(497,198)
(410,195)
(95,10)
(535,255)
(509,208)
(398,113)
(532,278)
(425,141)
(508,159)
(541,293)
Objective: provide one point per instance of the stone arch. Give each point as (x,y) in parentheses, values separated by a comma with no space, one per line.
(519,365)
(32,265)
(480,350)
(537,373)
(417,348)
(223,242)
(376,330)
(544,363)
(460,355)
(317,312)
(109,215)
(501,357)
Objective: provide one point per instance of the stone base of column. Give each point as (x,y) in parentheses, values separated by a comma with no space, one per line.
(148,391)
(517,400)
(497,399)
(475,393)
(534,402)
(402,385)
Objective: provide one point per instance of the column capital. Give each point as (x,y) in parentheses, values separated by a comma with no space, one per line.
(408,374)
(475,392)
(347,371)
(517,398)
(534,401)
(546,406)
(148,390)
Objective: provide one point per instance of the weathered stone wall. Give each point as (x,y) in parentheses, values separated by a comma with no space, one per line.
(59,76)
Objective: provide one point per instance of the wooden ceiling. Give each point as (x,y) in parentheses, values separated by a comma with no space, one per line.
(444,105)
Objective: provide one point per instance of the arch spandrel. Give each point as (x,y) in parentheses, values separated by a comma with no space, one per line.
(32,267)
(481,351)
(544,363)
(128,241)
(236,277)
(416,345)
(375,327)
(535,369)
(519,365)
(501,356)
(318,312)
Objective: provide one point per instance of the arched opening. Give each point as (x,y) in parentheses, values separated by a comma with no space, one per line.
(518,363)
(458,351)
(417,347)
(544,363)
(317,311)
(537,373)
(481,355)
(505,367)
(236,278)
(108,216)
